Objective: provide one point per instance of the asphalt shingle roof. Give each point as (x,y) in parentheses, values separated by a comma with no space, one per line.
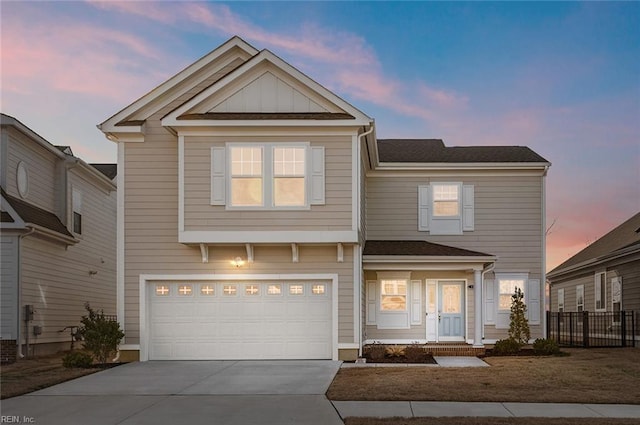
(109,170)
(35,215)
(417,248)
(434,150)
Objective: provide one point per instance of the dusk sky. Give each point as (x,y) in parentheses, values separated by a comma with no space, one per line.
(561,78)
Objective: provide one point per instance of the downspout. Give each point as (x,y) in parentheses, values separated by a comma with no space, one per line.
(485,271)
(358,292)
(20,310)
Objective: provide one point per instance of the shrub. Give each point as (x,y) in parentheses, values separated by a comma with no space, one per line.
(545,347)
(375,352)
(519,326)
(101,335)
(77,359)
(506,347)
(414,353)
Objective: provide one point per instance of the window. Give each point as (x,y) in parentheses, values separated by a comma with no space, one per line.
(77,211)
(560,300)
(600,292)
(267,175)
(22,179)
(229,290)
(580,298)
(252,290)
(393,295)
(275,289)
(207,290)
(288,176)
(507,288)
(162,290)
(446,200)
(296,289)
(616,297)
(246,177)
(318,289)
(184,290)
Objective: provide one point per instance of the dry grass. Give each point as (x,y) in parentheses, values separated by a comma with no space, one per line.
(489,421)
(28,375)
(586,376)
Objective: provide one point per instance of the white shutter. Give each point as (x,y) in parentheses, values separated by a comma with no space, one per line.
(416,302)
(317,175)
(533,301)
(467,207)
(372,305)
(489,302)
(218,176)
(423,208)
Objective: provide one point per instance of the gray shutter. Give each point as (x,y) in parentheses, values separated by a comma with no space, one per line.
(416,302)
(372,305)
(317,176)
(423,208)
(218,176)
(489,302)
(468,221)
(533,301)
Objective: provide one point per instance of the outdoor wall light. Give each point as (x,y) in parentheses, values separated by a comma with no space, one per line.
(237,262)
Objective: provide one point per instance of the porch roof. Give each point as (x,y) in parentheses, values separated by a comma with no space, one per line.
(418,248)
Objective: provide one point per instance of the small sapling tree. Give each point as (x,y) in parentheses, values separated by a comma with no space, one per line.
(519,326)
(101,335)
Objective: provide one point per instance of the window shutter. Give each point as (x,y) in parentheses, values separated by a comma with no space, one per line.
(423,208)
(533,301)
(489,302)
(416,302)
(372,305)
(218,176)
(468,208)
(317,175)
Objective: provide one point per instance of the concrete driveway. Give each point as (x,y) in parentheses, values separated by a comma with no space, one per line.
(193,392)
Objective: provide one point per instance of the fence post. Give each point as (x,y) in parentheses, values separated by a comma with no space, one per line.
(548,313)
(558,328)
(623,327)
(585,329)
(571,328)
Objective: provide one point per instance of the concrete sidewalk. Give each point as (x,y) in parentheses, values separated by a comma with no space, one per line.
(414,409)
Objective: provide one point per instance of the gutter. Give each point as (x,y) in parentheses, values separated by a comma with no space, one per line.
(479,314)
(19,298)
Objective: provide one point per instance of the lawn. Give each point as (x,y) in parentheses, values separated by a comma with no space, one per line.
(27,375)
(585,376)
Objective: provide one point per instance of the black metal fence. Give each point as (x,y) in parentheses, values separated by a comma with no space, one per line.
(589,329)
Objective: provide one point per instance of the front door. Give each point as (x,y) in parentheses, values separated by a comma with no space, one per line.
(451,310)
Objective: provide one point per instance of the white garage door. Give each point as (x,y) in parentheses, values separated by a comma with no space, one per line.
(240,320)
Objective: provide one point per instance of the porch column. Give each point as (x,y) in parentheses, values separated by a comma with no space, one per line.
(477,293)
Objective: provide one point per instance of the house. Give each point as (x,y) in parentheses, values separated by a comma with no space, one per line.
(603,277)
(58,222)
(261,218)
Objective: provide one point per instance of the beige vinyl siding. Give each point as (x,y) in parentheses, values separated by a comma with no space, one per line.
(9,286)
(508,216)
(570,293)
(56,278)
(336,214)
(41,170)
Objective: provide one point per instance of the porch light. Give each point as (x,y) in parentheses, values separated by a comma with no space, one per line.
(237,262)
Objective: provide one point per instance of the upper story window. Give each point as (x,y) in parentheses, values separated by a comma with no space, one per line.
(77,211)
(22,179)
(267,176)
(446,208)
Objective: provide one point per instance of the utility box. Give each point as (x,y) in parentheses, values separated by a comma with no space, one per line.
(37,330)
(28,313)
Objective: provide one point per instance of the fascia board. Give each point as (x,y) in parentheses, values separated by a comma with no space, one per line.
(179,124)
(109,125)
(415,166)
(426,259)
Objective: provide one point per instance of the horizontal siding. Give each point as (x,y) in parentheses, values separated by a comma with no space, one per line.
(336,214)
(508,217)
(9,287)
(630,273)
(41,171)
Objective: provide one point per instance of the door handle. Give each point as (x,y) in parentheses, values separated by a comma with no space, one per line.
(439,316)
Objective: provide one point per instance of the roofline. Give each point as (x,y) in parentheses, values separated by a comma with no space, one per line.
(633,249)
(429,258)
(436,166)
(52,234)
(13,122)
(109,125)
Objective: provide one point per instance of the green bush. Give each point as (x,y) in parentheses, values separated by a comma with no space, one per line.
(506,347)
(77,359)
(545,347)
(101,335)
(519,325)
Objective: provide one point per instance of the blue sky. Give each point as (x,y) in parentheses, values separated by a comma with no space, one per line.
(562,78)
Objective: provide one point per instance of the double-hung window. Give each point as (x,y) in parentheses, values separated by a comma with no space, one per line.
(393,295)
(446,200)
(446,208)
(600,292)
(580,298)
(267,176)
(77,211)
(560,300)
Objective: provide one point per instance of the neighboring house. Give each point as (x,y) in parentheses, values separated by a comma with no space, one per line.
(260,217)
(603,277)
(58,240)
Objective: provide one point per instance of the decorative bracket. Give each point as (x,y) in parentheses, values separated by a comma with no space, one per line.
(249,248)
(204,251)
(340,253)
(294,253)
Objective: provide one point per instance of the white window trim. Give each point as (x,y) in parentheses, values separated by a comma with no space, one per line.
(76,207)
(435,217)
(500,313)
(579,288)
(596,292)
(268,177)
(561,303)
(618,280)
(392,319)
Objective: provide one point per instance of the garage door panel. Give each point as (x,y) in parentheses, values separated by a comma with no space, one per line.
(255,322)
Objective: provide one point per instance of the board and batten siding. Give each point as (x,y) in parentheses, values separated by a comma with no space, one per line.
(9,287)
(41,171)
(508,216)
(335,214)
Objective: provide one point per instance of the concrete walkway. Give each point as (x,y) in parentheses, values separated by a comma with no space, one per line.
(414,409)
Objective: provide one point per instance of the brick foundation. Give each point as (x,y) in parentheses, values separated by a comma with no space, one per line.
(8,351)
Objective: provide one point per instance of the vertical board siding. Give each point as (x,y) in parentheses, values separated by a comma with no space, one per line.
(41,170)
(335,214)
(9,287)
